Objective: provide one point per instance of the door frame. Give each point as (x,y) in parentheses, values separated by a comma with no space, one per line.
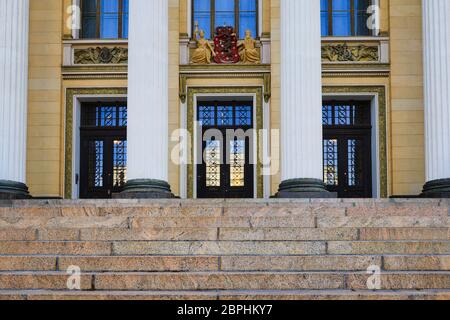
(197,129)
(188,116)
(72,189)
(376,113)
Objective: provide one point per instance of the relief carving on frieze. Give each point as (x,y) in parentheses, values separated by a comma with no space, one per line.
(346,53)
(116,55)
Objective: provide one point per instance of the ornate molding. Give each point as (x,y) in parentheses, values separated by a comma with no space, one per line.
(350,53)
(266,77)
(101,55)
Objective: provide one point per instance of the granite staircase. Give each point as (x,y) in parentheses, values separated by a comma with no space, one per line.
(220,249)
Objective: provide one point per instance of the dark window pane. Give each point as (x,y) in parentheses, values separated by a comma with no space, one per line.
(361,17)
(89,6)
(89,27)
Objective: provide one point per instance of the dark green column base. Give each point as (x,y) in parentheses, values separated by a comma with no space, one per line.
(11,190)
(304,189)
(146,189)
(437,189)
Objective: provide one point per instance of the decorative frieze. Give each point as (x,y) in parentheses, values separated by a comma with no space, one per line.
(101,55)
(350,53)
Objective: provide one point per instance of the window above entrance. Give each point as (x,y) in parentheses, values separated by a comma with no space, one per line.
(345,18)
(240,14)
(104,19)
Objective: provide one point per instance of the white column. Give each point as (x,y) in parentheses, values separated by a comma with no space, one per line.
(436,32)
(13,89)
(148,90)
(301,90)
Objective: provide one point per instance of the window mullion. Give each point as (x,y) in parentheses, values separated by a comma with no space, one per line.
(330,17)
(352,18)
(236,17)
(213,18)
(120,24)
(97,31)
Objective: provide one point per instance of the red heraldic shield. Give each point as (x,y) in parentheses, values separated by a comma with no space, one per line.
(225,46)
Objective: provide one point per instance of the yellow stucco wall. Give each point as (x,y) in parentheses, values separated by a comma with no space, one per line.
(400,20)
(407,120)
(44,98)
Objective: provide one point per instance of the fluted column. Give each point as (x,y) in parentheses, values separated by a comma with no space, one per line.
(436,32)
(301,100)
(148,100)
(14,16)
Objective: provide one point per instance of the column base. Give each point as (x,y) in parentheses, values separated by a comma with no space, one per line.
(437,189)
(304,189)
(11,190)
(146,189)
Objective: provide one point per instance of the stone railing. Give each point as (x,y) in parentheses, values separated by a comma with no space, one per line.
(339,50)
(95,52)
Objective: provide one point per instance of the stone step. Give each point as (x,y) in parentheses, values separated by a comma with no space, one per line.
(214,233)
(291,221)
(231,207)
(388,247)
(55,248)
(219,248)
(383,222)
(404,234)
(176,281)
(190,281)
(224,247)
(161,247)
(417,263)
(226,295)
(225,263)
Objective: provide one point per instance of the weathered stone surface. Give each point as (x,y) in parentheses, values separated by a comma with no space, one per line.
(39,281)
(164,211)
(225,249)
(417,263)
(266,211)
(334,295)
(140,264)
(287,234)
(225,222)
(402,281)
(217,248)
(63,222)
(298,263)
(383,222)
(12,296)
(121,295)
(405,209)
(405,234)
(17,235)
(219,281)
(58,234)
(55,248)
(27,263)
(386,247)
(180,234)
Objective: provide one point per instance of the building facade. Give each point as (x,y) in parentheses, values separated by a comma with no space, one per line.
(224,98)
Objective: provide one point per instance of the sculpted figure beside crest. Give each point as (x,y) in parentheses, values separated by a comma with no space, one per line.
(204,51)
(247,49)
(226,48)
